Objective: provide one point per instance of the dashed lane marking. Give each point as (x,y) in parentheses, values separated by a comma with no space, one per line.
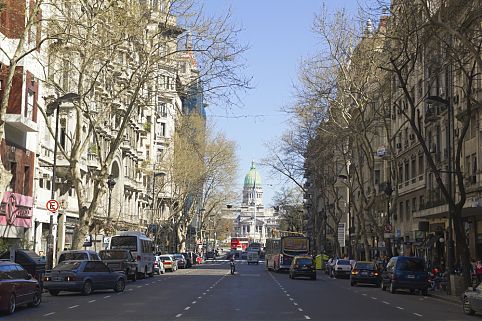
(364,294)
(92,301)
(374,298)
(418,315)
(295,303)
(291,299)
(385,302)
(46,315)
(186,308)
(300,309)
(400,308)
(74,306)
(199,297)
(107,296)
(307,317)
(179,315)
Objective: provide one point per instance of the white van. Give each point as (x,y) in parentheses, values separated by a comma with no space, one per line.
(141,248)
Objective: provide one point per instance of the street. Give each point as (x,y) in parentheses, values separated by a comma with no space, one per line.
(209,292)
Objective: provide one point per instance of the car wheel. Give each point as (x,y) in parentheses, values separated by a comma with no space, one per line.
(466,306)
(12,304)
(392,288)
(87,288)
(54,292)
(162,272)
(37,298)
(151,274)
(120,285)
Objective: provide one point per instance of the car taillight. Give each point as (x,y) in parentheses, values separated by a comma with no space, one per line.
(46,278)
(138,258)
(354,272)
(167,262)
(375,273)
(155,264)
(69,278)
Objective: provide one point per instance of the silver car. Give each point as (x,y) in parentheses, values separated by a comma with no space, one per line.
(158,265)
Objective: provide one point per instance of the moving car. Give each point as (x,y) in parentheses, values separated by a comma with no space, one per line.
(120,260)
(180,260)
(405,272)
(342,267)
(78,255)
(169,262)
(472,300)
(17,287)
(365,272)
(158,265)
(303,266)
(83,276)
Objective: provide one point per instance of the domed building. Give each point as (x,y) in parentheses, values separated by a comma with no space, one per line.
(252,206)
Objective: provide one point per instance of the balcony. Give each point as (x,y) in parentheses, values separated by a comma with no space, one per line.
(21,122)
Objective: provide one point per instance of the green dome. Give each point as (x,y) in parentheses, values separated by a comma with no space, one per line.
(252,177)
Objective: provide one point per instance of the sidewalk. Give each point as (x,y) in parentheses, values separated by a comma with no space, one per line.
(442,295)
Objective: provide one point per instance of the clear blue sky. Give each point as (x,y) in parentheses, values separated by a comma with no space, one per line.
(279,35)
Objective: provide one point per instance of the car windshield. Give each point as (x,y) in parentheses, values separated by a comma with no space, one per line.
(411,265)
(165,258)
(365,266)
(113,255)
(304,261)
(179,256)
(73,256)
(343,262)
(67,266)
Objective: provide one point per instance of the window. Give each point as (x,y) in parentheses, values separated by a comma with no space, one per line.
(41,182)
(401,211)
(414,169)
(421,202)
(421,166)
(377,177)
(100,267)
(89,267)
(26,180)
(13,171)
(407,209)
(163,130)
(414,204)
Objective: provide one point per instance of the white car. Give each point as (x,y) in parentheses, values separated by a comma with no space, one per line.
(342,267)
(169,262)
(158,265)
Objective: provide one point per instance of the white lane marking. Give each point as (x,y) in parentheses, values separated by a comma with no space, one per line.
(295,303)
(418,315)
(199,297)
(287,294)
(46,315)
(307,317)
(92,301)
(373,298)
(74,306)
(364,294)
(177,316)
(139,286)
(300,309)
(129,290)
(207,290)
(292,299)
(385,302)
(107,296)
(400,308)
(186,308)
(194,302)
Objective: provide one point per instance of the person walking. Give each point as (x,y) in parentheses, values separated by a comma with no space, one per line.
(478,271)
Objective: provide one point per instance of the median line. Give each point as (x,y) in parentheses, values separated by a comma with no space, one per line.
(74,306)
(46,315)
(418,314)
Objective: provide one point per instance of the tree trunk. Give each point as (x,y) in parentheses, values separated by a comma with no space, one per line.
(461,248)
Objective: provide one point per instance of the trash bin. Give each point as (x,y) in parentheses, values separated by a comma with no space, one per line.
(30,261)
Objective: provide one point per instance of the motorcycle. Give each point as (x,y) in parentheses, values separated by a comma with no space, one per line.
(233,267)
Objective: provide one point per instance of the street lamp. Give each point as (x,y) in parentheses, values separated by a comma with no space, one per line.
(51,108)
(110,184)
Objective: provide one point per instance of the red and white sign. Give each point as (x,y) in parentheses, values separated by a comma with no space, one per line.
(52,206)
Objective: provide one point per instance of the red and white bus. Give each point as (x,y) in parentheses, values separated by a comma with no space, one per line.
(280,251)
(239,243)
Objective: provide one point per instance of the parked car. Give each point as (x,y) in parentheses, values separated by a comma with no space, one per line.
(17,287)
(120,260)
(169,262)
(365,272)
(302,266)
(210,255)
(30,261)
(472,300)
(253,257)
(342,267)
(158,265)
(405,272)
(180,260)
(78,255)
(83,276)
(189,257)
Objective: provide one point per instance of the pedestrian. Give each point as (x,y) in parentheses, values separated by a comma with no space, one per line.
(478,271)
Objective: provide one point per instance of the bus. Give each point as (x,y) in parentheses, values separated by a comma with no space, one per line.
(280,251)
(239,243)
(141,248)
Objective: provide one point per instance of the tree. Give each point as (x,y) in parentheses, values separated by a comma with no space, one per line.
(112,55)
(289,202)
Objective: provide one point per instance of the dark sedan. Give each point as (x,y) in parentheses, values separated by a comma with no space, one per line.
(17,287)
(84,277)
(181,260)
(365,272)
(120,260)
(303,266)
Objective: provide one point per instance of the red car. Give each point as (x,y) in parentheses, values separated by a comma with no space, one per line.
(17,287)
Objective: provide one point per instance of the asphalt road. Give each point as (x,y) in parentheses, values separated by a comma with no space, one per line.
(209,292)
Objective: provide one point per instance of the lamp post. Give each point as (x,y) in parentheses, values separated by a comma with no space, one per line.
(110,184)
(388,191)
(51,108)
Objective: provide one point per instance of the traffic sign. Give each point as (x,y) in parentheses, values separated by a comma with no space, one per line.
(52,206)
